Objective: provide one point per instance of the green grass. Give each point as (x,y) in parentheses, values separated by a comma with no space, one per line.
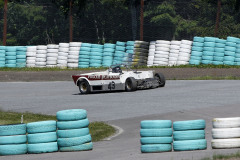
(98,130)
(224,157)
(103,68)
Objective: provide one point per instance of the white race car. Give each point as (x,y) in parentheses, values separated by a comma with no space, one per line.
(114,79)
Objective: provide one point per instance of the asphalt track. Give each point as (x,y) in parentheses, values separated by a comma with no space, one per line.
(178,100)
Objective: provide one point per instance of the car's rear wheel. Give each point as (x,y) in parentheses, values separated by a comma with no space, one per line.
(84,87)
(131,84)
(161,79)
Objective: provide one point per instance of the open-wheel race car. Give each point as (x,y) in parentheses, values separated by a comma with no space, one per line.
(115,79)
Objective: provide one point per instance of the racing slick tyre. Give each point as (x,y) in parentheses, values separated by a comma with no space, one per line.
(130,84)
(84,87)
(161,79)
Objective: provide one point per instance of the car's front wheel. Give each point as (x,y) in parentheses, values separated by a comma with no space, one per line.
(131,84)
(84,87)
(161,79)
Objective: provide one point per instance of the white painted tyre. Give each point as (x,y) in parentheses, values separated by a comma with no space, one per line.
(161,52)
(150,58)
(31,54)
(152,50)
(41,51)
(187,42)
(174,47)
(174,51)
(225,143)
(75,44)
(225,133)
(52,58)
(72,60)
(182,63)
(62,58)
(73,57)
(63,54)
(185,46)
(175,42)
(40,63)
(52,50)
(151,53)
(161,56)
(51,63)
(163,49)
(163,45)
(72,65)
(185,50)
(41,55)
(31,58)
(74,49)
(183,58)
(51,66)
(232,122)
(30,65)
(74,53)
(162,42)
(183,54)
(52,54)
(62,62)
(173,59)
(41,47)
(152,47)
(161,59)
(63,45)
(52,46)
(173,55)
(63,49)
(32,49)
(41,59)
(160,63)
(152,43)
(31,62)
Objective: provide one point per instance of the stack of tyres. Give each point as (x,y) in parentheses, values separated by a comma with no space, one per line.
(108,53)
(21,57)
(73,133)
(161,53)
(230,49)
(184,52)
(13,139)
(62,55)
(73,54)
(208,50)
(119,55)
(129,51)
(41,56)
(52,55)
(151,53)
(31,56)
(84,55)
(140,55)
(237,55)
(226,133)
(96,55)
(11,56)
(2,56)
(189,135)
(197,51)
(218,55)
(42,137)
(174,53)
(156,136)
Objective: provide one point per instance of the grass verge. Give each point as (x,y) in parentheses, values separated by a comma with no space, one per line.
(98,130)
(103,68)
(234,156)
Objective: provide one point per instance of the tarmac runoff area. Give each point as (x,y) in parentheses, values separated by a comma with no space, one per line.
(178,100)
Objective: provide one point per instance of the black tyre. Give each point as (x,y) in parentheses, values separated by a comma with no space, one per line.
(84,87)
(131,84)
(161,79)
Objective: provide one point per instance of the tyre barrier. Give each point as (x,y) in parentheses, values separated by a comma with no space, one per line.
(127,59)
(73,133)
(96,55)
(140,54)
(42,137)
(13,139)
(108,53)
(41,56)
(225,133)
(161,56)
(62,58)
(119,54)
(84,55)
(184,52)
(189,135)
(174,53)
(151,53)
(73,54)
(156,136)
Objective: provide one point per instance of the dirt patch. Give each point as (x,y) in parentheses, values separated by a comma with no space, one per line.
(170,73)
